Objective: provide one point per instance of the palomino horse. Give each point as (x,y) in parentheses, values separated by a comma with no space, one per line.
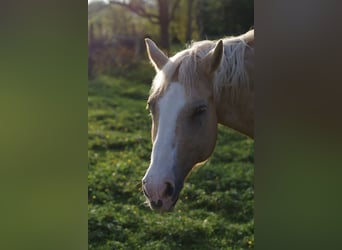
(206,84)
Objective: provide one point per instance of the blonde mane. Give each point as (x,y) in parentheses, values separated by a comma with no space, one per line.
(231,73)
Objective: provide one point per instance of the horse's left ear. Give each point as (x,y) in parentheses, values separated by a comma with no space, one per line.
(213,59)
(156,56)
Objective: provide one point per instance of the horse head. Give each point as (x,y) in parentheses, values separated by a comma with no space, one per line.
(184,120)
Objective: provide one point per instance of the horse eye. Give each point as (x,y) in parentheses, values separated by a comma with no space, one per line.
(200,110)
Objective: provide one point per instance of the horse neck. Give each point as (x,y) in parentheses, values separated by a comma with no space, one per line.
(239,114)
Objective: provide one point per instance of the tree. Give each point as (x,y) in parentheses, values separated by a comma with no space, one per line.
(231,17)
(188,35)
(163,18)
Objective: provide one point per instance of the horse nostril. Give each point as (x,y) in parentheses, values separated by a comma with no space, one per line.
(169,189)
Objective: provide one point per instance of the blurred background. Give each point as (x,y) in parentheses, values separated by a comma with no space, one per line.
(116,28)
(216,206)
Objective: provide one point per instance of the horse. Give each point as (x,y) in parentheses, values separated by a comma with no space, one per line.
(208,83)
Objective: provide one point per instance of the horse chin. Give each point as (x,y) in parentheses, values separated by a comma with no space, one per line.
(167,206)
(174,201)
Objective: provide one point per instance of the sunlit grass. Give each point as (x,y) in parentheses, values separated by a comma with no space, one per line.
(215,209)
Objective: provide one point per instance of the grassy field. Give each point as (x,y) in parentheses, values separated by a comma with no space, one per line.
(215,208)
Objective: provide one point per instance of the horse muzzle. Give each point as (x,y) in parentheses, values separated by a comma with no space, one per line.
(161,197)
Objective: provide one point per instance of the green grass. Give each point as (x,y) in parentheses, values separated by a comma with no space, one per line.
(215,208)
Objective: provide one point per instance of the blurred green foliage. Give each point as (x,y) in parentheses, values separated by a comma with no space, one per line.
(215,209)
(116,35)
(232,17)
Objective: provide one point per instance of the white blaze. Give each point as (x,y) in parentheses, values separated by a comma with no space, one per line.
(163,152)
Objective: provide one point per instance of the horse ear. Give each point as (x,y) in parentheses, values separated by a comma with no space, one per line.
(156,56)
(213,59)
